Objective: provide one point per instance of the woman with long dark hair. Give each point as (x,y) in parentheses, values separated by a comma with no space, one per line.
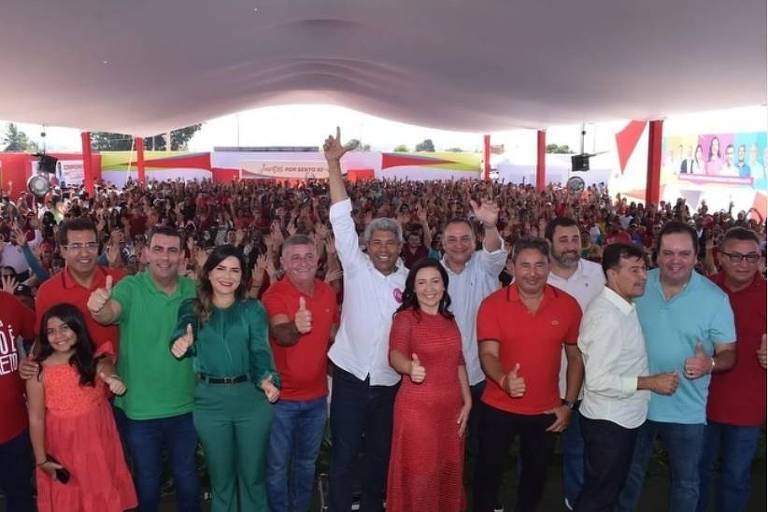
(80,464)
(433,403)
(226,335)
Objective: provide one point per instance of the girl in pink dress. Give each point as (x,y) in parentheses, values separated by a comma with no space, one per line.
(80,464)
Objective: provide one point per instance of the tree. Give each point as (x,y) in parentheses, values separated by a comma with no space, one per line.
(427,145)
(359,146)
(105,141)
(455,150)
(554,148)
(401,148)
(17,140)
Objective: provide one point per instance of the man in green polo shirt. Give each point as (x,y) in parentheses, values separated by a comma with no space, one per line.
(158,404)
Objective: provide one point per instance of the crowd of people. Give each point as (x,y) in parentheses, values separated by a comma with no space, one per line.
(146,320)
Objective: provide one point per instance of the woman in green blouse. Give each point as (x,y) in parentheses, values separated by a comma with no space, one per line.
(226,335)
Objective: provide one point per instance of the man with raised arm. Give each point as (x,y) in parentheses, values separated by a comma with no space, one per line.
(364,385)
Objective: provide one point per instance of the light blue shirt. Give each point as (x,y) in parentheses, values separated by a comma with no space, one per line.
(701,312)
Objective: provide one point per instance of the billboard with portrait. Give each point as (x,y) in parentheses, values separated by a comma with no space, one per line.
(719,159)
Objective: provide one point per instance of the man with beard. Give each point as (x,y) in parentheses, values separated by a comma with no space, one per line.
(583,280)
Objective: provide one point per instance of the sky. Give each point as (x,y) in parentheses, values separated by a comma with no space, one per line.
(308,125)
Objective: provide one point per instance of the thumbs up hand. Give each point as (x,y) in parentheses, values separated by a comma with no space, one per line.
(183,342)
(303,318)
(700,364)
(99,297)
(513,384)
(418,373)
(761,354)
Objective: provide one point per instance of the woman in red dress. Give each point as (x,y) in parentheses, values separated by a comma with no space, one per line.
(433,402)
(71,423)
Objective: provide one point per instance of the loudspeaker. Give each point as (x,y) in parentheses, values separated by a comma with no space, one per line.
(47,163)
(579,163)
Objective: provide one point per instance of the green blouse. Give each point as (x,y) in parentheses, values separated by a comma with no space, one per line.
(231,343)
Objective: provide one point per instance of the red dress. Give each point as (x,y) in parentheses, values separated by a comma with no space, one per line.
(80,433)
(427,459)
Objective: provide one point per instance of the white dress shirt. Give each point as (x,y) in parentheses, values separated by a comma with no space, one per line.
(584,285)
(13,255)
(370,299)
(612,345)
(467,289)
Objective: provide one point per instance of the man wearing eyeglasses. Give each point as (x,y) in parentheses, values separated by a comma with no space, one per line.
(74,284)
(736,409)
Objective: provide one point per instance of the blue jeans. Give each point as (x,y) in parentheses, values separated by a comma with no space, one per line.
(359,409)
(684,445)
(294,444)
(572,442)
(146,439)
(739,445)
(16,463)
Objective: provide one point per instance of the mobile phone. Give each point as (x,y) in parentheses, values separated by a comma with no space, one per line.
(62,475)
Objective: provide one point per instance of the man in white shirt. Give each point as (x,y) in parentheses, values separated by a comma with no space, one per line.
(583,280)
(472,276)
(615,401)
(364,385)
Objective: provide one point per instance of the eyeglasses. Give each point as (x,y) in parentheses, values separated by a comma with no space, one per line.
(77,246)
(735,257)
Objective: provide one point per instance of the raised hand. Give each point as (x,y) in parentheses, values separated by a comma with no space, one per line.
(9,284)
(334,275)
(486,212)
(100,297)
(418,373)
(333,149)
(113,253)
(183,342)
(698,365)
(270,390)
(303,318)
(512,383)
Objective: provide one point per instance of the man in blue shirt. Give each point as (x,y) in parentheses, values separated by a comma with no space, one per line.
(688,327)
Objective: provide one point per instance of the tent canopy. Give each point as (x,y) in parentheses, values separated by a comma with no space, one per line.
(144,67)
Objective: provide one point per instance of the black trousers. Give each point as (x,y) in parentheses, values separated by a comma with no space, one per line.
(359,409)
(497,431)
(607,457)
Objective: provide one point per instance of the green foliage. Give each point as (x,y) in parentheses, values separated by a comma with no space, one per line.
(554,148)
(16,140)
(427,145)
(401,148)
(105,141)
(455,150)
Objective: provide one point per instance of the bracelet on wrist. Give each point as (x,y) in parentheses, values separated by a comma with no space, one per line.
(46,461)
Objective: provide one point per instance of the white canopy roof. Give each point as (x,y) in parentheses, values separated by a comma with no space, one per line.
(144,67)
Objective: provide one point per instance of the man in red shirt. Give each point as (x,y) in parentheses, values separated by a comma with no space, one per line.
(15,449)
(74,284)
(303,317)
(736,407)
(521,330)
